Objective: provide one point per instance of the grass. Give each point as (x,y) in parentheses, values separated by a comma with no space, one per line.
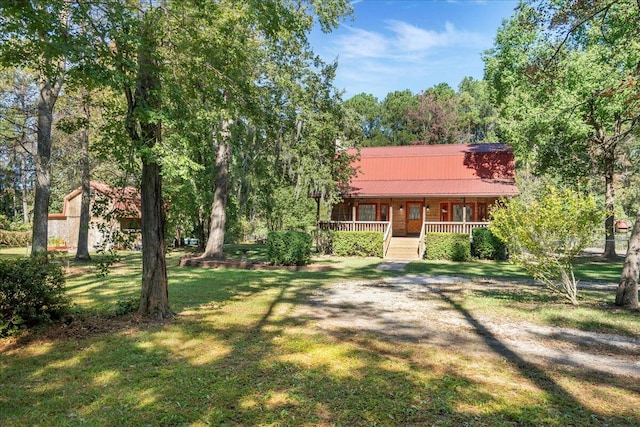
(241,353)
(588,269)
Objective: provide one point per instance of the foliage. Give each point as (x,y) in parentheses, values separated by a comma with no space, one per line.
(485,245)
(18,99)
(434,117)
(437,115)
(357,243)
(15,238)
(32,292)
(324,241)
(127,306)
(565,78)
(447,246)
(289,248)
(547,233)
(107,257)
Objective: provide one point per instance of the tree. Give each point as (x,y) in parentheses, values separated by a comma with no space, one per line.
(369,112)
(565,77)
(37,34)
(144,127)
(395,119)
(545,234)
(627,293)
(18,102)
(256,96)
(477,117)
(434,117)
(82,251)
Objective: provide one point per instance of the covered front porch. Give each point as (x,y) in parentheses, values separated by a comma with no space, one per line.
(403,247)
(410,217)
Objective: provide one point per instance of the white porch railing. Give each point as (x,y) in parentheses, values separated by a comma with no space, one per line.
(451,227)
(386,240)
(421,243)
(379,226)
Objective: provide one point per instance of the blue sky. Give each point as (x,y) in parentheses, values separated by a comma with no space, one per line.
(411,44)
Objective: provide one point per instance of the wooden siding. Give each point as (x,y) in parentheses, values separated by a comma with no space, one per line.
(431,209)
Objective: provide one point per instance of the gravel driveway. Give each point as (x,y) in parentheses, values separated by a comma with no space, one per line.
(420,309)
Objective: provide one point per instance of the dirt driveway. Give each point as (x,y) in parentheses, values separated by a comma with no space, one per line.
(421,309)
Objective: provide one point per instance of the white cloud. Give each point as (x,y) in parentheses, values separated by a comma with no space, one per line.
(404,41)
(401,55)
(361,43)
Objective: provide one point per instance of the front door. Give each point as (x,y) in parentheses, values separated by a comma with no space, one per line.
(414,217)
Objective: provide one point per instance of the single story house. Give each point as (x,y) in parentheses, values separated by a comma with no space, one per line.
(111,208)
(406,191)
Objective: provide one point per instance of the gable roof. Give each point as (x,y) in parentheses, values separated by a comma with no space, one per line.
(485,170)
(125,199)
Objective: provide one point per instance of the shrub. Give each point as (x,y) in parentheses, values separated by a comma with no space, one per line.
(486,245)
(14,238)
(447,246)
(358,243)
(127,306)
(289,247)
(31,293)
(546,231)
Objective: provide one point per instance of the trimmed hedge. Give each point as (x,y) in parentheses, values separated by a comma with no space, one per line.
(31,293)
(447,246)
(358,243)
(15,238)
(289,248)
(486,245)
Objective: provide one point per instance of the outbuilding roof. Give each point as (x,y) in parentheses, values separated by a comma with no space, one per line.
(125,200)
(485,170)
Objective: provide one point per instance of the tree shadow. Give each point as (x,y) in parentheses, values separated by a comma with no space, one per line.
(490,163)
(558,395)
(260,364)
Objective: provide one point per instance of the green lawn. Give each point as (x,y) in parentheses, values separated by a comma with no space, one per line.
(587,269)
(239,353)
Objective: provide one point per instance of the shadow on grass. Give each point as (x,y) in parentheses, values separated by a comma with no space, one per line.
(522,295)
(558,396)
(237,356)
(202,370)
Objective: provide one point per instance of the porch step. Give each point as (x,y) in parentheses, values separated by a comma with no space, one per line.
(403,248)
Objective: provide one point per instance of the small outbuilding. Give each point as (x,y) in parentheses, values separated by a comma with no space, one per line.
(112,209)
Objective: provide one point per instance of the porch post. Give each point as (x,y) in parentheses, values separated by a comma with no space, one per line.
(424,210)
(353,212)
(464,211)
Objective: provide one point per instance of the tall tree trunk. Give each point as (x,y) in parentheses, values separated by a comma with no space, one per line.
(215,243)
(154,299)
(627,294)
(609,224)
(25,185)
(82,252)
(50,86)
(145,132)
(48,96)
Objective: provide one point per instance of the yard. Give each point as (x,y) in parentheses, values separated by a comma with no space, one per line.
(349,346)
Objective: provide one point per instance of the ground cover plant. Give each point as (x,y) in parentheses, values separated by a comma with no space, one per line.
(245,349)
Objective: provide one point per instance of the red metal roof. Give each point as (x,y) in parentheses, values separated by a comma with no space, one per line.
(434,170)
(126,200)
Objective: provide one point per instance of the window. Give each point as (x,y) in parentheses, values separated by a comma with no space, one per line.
(384,212)
(457,213)
(366,212)
(414,212)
